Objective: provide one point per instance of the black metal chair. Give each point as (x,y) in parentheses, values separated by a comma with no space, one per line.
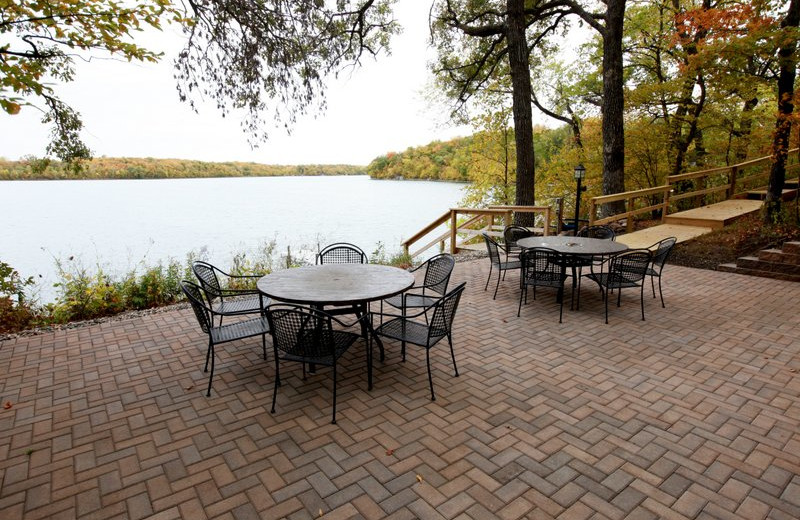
(341,253)
(497,262)
(223,299)
(434,285)
(222,333)
(307,336)
(511,234)
(661,251)
(577,263)
(542,267)
(601,232)
(426,335)
(627,269)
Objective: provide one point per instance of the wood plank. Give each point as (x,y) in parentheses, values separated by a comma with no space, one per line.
(649,236)
(716,215)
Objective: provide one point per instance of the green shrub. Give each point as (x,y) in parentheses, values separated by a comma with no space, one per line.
(17,312)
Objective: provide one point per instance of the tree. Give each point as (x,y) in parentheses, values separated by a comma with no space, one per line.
(783,125)
(271,58)
(40,41)
(477,41)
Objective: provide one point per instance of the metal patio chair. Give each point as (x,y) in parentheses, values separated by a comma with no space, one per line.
(511,234)
(341,253)
(625,270)
(222,333)
(661,251)
(426,335)
(434,285)
(224,300)
(497,262)
(307,336)
(542,267)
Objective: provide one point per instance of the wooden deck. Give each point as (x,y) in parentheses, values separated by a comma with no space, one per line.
(715,216)
(647,237)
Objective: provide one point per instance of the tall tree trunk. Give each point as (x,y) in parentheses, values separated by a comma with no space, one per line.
(745,129)
(783,125)
(519,65)
(613,107)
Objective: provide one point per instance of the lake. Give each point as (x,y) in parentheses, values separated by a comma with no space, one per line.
(117,224)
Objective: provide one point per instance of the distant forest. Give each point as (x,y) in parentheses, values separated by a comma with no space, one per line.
(135,168)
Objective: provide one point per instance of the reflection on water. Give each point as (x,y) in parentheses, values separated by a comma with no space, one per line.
(118,223)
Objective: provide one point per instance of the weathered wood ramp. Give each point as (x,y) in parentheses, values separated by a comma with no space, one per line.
(689,224)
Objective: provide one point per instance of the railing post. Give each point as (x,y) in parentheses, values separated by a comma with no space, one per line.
(732,181)
(629,220)
(665,208)
(560,216)
(546,231)
(591,212)
(453,225)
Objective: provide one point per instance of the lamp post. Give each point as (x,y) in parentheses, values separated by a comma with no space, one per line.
(580,173)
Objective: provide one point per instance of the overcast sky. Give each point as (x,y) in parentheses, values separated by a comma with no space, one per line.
(133,110)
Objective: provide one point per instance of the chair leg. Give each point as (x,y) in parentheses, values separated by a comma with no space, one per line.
(452,353)
(208,354)
(523,291)
(430,377)
(641,297)
(619,296)
(491,266)
(264,345)
(605,293)
(561,305)
(333,421)
(661,293)
(276,385)
(211,376)
(498,285)
(653,284)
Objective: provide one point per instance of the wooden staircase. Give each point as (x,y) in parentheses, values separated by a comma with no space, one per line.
(781,264)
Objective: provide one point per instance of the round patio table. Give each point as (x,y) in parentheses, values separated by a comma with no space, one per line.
(338,285)
(577,247)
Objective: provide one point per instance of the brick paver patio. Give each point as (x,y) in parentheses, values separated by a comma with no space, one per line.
(693,413)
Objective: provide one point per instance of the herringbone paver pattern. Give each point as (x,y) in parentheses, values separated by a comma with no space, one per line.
(693,413)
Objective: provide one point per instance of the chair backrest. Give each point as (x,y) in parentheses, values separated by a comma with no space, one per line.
(438,271)
(630,266)
(195,296)
(493,248)
(443,313)
(341,253)
(207,276)
(662,251)
(541,262)
(602,232)
(300,332)
(513,233)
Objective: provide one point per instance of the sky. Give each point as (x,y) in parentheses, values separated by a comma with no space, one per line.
(133,110)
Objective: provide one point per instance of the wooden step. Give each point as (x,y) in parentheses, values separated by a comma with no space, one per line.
(786,194)
(715,216)
(733,268)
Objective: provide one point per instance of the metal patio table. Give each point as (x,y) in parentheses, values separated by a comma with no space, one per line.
(577,247)
(328,285)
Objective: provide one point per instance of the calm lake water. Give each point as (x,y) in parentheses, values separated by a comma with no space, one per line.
(120,223)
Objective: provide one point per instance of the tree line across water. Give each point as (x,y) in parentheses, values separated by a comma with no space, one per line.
(32,168)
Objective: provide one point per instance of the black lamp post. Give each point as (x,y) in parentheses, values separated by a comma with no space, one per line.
(580,173)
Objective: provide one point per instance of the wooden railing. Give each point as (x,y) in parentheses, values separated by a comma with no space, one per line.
(466,224)
(706,186)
